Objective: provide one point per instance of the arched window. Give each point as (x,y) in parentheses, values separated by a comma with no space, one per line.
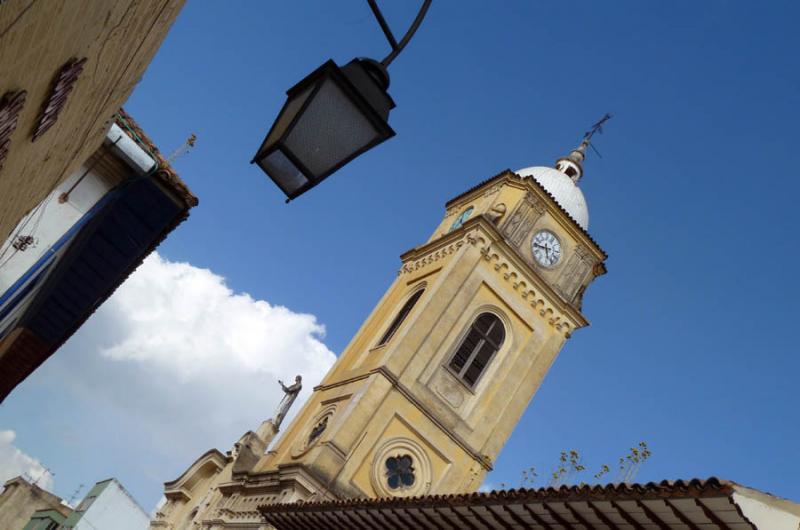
(407,307)
(484,338)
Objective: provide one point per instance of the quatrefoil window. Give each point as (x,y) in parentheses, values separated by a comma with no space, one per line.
(399,472)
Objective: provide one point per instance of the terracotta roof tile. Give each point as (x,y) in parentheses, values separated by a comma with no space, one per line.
(651,505)
(165,171)
(665,489)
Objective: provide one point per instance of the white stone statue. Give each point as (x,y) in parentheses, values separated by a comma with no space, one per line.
(291,394)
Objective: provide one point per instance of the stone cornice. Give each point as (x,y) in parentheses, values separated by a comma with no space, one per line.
(507,262)
(438,249)
(483,460)
(175,489)
(272,480)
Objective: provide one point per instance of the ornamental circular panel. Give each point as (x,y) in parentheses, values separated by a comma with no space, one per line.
(401,468)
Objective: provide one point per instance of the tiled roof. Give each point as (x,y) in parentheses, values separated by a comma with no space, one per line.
(693,504)
(509,173)
(165,172)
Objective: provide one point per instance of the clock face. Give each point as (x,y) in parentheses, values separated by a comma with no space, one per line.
(461,219)
(546,248)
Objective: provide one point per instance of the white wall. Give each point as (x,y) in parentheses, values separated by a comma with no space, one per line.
(114,509)
(47,224)
(767,512)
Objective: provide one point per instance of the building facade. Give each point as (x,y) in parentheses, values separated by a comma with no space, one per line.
(426,394)
(45,520)
(66,256)
(21,501)
(107,506)
(66,69)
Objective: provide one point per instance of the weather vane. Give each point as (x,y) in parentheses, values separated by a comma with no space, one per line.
(597,127)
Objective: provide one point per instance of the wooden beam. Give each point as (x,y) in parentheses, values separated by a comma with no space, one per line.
(651,515)
(578,517)
(405,517)
(286,521)
(364,516)
(517,519)
(712,516)
(478,517)
(499,518)
(350,516)
(340,519)
(681,516)
(555,515)
(311,519)
(463,518)
(625,515)
(444,517)
(603,517)
(538,518)
(421,523)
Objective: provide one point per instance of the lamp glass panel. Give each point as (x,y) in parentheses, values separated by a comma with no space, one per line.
(289,111)
(330,130)
(286,174)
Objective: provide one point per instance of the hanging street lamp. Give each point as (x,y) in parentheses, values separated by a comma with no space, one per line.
(332,116)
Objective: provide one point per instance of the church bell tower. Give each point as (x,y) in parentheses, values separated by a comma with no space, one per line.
(430,388)
(426,394)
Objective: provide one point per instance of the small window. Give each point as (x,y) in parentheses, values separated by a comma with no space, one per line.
(398,320)
(485,337)
(461,219)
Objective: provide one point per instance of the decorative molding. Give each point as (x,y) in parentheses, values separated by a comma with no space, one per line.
(502,265)
(496,212)
(525,215)
(574,273)
(521,284)
(436,255)
(493,189)
(64,83)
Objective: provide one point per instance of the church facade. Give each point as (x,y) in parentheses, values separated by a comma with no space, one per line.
(426,394)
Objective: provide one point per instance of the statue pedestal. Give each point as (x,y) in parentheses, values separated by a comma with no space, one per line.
(252,445)
(267,431)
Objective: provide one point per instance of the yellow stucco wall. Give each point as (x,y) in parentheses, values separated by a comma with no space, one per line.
(118,38)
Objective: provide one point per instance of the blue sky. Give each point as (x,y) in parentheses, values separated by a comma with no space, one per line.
(692,346)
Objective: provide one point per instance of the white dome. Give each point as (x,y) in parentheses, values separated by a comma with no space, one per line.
(565,191)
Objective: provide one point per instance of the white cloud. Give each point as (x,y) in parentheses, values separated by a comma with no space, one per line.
(173,364)
(14,462)
(186,321)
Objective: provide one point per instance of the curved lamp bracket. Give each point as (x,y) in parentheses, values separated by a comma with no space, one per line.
(397,47)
